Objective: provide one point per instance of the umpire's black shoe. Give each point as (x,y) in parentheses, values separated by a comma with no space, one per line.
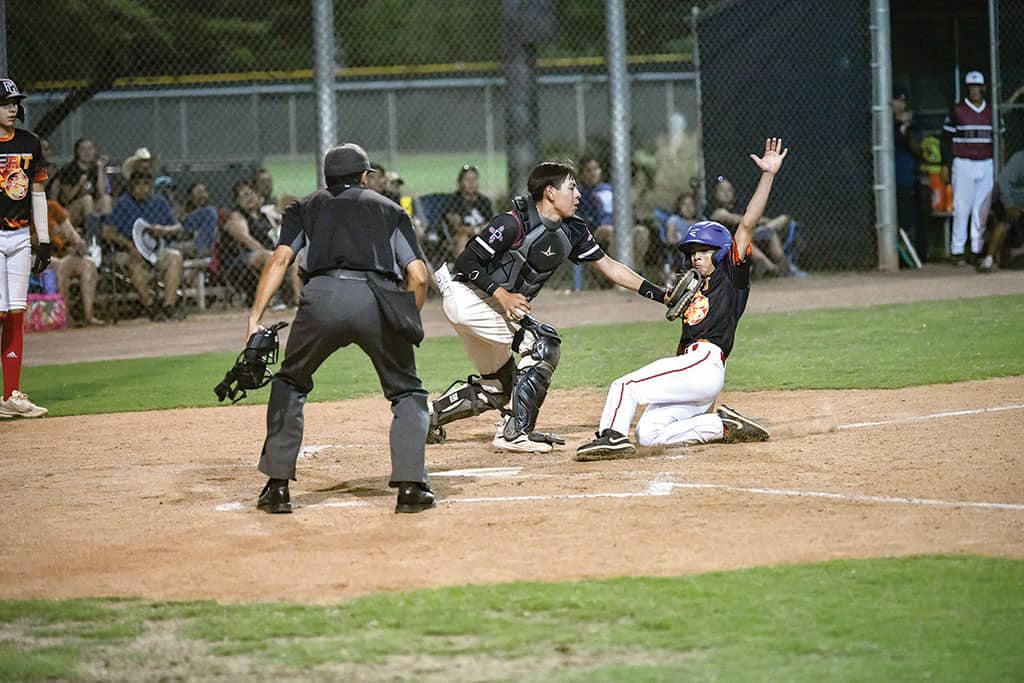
(414,496)
(737,428)
(608,445)
(274,499)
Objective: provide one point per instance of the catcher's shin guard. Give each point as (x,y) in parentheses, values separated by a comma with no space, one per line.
(540,347)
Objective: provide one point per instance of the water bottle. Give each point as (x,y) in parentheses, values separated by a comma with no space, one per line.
(95,253)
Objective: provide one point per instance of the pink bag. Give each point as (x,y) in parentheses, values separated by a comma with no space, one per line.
(46,312)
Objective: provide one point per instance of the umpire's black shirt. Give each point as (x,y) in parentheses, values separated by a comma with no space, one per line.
(348,227)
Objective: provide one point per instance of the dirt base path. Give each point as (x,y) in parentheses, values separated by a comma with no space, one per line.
(161,505)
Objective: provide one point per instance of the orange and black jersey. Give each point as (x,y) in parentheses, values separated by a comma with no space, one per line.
(21,164)
(716,308)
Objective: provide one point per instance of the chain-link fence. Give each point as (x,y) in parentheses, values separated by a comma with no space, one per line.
(455,101)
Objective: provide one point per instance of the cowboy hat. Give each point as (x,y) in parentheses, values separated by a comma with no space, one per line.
(141,155)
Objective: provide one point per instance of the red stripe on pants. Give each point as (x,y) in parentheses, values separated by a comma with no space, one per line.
(622,389)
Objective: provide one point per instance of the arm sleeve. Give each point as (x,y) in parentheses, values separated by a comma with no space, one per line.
(39,216)
(405,251)
(498,237)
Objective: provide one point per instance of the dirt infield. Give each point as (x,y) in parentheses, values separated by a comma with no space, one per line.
(161,505)
(112,505)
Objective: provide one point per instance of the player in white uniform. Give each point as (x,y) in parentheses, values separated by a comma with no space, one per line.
(681,390)
(22,199)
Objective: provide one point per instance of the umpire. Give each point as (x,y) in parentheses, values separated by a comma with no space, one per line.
(359,245)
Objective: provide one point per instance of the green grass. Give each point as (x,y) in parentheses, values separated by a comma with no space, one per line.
(422,173)
(934,618)
(878,347)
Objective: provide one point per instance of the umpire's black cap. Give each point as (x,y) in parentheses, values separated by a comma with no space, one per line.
(346,160)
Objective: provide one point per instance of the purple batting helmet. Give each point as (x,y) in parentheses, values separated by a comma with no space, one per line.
(708,234)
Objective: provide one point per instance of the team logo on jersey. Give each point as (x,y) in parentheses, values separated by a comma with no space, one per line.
(549,251)
(497,232)
(13,179)
(697,310)
(16,185)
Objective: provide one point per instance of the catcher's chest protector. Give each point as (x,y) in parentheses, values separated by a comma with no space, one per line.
(527,267)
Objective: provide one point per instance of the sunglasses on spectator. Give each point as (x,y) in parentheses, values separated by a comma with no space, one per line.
(141,176)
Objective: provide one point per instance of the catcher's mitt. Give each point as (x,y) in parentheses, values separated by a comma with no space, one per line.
(250,368)
(682,293)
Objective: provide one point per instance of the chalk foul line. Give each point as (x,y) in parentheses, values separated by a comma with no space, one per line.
(933,416)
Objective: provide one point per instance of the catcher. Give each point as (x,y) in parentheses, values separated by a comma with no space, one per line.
(680,391)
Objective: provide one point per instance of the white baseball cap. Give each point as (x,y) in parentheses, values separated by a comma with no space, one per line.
(974,78)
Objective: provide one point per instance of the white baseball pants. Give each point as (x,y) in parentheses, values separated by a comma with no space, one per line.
(678,392)
(972,197)
(15,265)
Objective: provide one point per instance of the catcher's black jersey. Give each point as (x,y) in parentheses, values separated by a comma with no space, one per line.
(716,308)
(520,256)
(21,164)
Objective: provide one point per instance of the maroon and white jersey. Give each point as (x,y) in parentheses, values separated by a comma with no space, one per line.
(970,128)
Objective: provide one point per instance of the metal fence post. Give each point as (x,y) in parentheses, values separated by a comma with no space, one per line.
(323,76)
(994,94)
(885,160)
(618,95)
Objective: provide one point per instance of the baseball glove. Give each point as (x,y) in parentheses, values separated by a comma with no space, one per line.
(682,293)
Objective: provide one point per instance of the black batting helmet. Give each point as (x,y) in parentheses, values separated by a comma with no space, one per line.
(9,92)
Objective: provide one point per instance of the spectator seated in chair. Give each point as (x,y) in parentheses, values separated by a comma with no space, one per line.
(139,201)
(597,206)
(71,260)
(200,220)
(82,186)
(245,243)
(770,236)
(469,210)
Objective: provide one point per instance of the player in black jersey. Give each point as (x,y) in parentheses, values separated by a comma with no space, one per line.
(680,391)
(22,201)
(487,300)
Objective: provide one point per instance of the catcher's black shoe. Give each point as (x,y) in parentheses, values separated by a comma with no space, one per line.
(738,429)
(414,496)
(274,499)
(608,445)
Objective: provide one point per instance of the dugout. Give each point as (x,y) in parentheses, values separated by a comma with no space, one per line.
(803,71)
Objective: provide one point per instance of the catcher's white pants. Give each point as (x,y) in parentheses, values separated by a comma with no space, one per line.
(678,392)
(972,197)
(15,265)
(480,323)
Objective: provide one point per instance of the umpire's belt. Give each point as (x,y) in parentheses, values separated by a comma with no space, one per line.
(343,274)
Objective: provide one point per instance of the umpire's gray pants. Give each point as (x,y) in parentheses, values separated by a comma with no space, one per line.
(334,313)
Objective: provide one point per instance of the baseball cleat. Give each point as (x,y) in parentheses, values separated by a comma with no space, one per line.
(521,444)
(738,429)
(18,405)
(608,445)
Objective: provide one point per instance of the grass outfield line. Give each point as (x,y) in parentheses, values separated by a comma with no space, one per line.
(882,347)
(920,618)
